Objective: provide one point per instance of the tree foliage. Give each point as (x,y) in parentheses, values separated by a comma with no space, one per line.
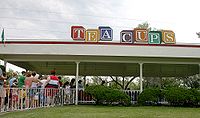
(122,82)
(167,82)
(146,25)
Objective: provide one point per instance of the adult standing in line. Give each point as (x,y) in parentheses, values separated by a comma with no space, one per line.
(13,80)
(2,92)
(28,83)
(60,81)
(21,85)
(21,79)
(52,85)
(42,96)
(30,79)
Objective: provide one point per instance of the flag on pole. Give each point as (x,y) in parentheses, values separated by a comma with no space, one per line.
(198,33)
(3,37)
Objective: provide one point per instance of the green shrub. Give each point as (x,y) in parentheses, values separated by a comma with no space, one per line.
(196,97)
(149,96)
(175,96)
(106,95)
(182,96)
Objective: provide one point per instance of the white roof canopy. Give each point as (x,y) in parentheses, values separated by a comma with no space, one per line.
(103,58)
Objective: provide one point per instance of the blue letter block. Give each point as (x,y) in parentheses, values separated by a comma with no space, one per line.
(106,33)
(126,36)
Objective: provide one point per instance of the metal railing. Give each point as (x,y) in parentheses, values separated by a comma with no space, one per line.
(133,94)
(12,99)
(20,99)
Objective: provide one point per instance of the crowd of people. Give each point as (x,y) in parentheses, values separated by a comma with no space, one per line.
(30,89)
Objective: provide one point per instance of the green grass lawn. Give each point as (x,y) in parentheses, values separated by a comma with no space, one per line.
(83,111)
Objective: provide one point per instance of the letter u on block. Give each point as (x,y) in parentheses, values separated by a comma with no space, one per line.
(141,35)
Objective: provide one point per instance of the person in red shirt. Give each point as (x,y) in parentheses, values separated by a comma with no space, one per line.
(51,86)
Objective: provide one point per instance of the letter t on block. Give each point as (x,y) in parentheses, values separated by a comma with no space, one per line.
(78,33)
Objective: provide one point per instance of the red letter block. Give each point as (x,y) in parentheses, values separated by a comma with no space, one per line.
(78,33)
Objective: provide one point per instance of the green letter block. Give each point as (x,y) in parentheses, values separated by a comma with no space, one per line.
(155,37)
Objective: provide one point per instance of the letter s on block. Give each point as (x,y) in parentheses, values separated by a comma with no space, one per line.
(168,37)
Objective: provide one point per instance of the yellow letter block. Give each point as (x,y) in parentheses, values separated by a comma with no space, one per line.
(92,35)
(168,37)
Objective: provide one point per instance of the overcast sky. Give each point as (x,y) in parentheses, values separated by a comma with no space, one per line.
(52,19)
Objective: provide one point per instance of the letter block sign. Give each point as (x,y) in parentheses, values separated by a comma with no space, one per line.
(92,35)
(126,36)
(154,37)
(168,37)
(78,33)
(106,33)
(141,35)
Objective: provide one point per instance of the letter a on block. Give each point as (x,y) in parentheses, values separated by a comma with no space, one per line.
(168,37)
(141,35)
(78,33)
(92,35)
(106,33)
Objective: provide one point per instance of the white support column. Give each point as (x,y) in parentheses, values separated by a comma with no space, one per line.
(141,77)
(199,68)
(77,76)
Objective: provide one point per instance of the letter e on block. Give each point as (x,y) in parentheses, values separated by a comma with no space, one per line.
(78,33)
(92,35)
(141,35)
(126,36)
(168,37)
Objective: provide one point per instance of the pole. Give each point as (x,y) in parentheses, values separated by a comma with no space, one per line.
(199,68)
(77,76)
(141,77)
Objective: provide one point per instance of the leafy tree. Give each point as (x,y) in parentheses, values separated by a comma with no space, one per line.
(151,82)
(98,79)
(123,82)
(145,25)
(191,81)
(167,82)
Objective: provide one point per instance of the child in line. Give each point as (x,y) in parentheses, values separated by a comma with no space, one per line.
(67,92)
